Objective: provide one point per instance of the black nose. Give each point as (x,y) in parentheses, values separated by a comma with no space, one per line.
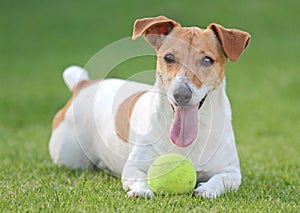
(182,95)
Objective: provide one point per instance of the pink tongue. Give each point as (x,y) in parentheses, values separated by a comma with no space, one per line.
(185,126)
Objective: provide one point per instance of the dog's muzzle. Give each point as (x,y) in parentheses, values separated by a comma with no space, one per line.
(184,128)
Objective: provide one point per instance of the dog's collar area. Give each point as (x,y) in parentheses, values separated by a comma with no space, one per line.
(200,103)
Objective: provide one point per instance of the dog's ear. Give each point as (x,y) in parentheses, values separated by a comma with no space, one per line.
(153,29)
(233,41)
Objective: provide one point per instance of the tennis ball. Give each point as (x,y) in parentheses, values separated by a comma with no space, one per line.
(171,174)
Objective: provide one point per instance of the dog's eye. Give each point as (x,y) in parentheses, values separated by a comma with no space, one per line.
(170,58)
(206,61)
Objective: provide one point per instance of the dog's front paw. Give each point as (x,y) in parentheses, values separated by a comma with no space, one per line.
(219,184)
(141,192)
(207,191)
(140,189)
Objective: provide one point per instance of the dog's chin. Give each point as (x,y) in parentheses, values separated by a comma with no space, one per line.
(184,128)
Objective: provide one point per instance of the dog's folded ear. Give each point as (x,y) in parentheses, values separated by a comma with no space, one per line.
(153,29)
(233,41)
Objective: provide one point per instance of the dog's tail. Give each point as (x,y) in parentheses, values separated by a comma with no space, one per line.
(73,75)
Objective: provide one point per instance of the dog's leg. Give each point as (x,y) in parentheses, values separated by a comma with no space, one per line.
(219,184)
(134,175)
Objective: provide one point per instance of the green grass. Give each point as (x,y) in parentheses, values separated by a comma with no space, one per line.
(40,38)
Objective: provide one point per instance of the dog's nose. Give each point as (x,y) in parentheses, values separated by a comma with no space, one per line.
(182,95)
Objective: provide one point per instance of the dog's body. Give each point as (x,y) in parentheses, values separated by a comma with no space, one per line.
(122,126)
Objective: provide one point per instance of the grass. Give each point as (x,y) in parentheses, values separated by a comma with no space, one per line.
(39,38)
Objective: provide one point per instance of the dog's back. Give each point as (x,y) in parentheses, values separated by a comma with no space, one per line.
(95,122)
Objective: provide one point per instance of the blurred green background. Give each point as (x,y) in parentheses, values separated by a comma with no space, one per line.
(38,39)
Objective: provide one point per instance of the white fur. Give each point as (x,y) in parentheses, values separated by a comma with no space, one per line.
(87,136)
(73,75)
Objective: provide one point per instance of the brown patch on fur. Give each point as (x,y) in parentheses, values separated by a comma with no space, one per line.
(190,46)
(153,29)
(122,121)
(83,84)
(60,115)
(233,41)
(196,81)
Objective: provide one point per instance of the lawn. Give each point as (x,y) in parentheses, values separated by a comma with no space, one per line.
(38,39)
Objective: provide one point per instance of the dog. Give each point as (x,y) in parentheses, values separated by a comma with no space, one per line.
(123,126)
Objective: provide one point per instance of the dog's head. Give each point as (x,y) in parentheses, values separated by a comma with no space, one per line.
(191,63)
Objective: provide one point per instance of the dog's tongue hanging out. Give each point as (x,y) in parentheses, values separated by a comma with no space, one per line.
(184,128)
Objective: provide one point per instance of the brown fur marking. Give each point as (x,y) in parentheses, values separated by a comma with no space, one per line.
(83,84)
(122,121)
(60,115)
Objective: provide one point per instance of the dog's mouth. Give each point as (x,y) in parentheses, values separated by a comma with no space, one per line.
(184,128)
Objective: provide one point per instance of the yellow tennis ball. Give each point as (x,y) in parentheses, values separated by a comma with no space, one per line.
(172,174)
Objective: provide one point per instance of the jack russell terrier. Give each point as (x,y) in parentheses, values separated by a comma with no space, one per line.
(123,126)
